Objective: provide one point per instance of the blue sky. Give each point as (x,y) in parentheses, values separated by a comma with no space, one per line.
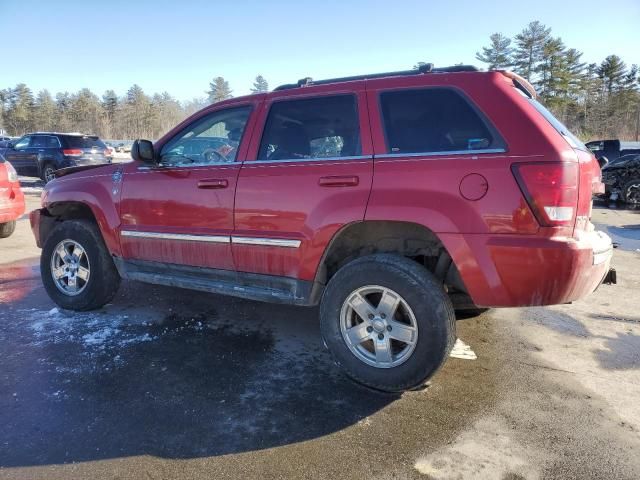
(179,46)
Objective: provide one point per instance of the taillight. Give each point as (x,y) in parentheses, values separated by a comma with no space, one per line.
(551,190)
(72,152)
(12,175)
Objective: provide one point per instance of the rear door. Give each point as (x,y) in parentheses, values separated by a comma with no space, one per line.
(308,173)
(23,156)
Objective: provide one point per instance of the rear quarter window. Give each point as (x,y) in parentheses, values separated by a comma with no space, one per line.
(432,120)
(571,139)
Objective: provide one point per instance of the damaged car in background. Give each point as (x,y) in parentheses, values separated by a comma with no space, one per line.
(622,179)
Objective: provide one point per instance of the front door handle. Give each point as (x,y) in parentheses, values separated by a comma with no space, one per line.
(339,181)
(212,183)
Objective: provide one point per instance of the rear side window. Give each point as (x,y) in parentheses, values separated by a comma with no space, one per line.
(315,128)
(84,142)
(432,120)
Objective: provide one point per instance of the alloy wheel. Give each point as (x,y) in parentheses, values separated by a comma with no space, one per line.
(70,267)
(378,326)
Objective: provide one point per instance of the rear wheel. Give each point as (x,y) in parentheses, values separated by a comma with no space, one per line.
(7,228)
(48,172)
(77,270)
(387,321)
(631,192)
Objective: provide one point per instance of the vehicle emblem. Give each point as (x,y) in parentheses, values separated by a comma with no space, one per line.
(116,177)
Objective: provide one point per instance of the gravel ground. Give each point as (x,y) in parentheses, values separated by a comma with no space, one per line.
(168,383)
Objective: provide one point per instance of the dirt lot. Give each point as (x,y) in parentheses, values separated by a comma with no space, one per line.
(167,383)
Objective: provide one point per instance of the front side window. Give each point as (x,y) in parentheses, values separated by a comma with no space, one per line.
(434,120)
(314,128)
(22,143)
(212,139)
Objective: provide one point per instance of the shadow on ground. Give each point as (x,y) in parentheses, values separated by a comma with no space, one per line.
(136,378)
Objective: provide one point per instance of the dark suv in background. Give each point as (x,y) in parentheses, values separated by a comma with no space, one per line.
(42,153)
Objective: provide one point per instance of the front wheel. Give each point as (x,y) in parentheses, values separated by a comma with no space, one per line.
(77,270)
(7,228)
(48,172)
(387,321)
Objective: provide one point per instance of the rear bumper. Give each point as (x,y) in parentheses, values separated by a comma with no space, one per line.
(516,271)
(13,207)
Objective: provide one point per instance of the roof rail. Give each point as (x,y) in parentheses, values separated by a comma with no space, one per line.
(422,68)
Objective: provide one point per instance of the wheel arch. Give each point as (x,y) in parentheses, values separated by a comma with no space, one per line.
(408,239)
(60,211)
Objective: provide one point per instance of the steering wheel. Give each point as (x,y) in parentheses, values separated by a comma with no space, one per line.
(212,155)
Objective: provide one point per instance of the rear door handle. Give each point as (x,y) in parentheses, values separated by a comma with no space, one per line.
(212,183)
(340,181)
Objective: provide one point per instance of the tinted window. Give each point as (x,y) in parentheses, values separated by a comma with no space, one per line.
(84,142)
(212,139)
(44,141)
(22,143)
(39,142)
(433,120)
(320,127)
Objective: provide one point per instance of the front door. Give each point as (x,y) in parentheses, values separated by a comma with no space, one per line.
(23,157)
(308,174)
(180,212)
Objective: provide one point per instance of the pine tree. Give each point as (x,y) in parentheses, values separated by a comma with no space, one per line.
(498,53)
(260,85)
(552,68)
(44,116)
(528,51)
(18,115)
(137,110)
(219,90)
(612,71)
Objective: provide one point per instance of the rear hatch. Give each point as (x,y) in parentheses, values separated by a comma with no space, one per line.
(85,149)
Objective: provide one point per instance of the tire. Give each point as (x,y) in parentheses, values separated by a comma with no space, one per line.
(422,300)
(102,280)
(7,228)
(631,192)
(47,172)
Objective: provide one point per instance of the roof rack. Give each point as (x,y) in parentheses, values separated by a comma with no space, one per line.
(422,68)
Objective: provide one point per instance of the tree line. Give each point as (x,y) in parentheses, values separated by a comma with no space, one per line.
(134,115)
(595,100)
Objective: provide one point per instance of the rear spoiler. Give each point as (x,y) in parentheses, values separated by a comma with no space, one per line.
(521,83)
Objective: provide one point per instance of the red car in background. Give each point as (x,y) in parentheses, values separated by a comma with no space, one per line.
(11,199)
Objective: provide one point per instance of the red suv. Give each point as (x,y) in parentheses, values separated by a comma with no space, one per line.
(11,198)
(390,199)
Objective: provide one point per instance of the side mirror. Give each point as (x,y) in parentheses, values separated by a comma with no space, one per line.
(602,161)
(142,150)
(10,145)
